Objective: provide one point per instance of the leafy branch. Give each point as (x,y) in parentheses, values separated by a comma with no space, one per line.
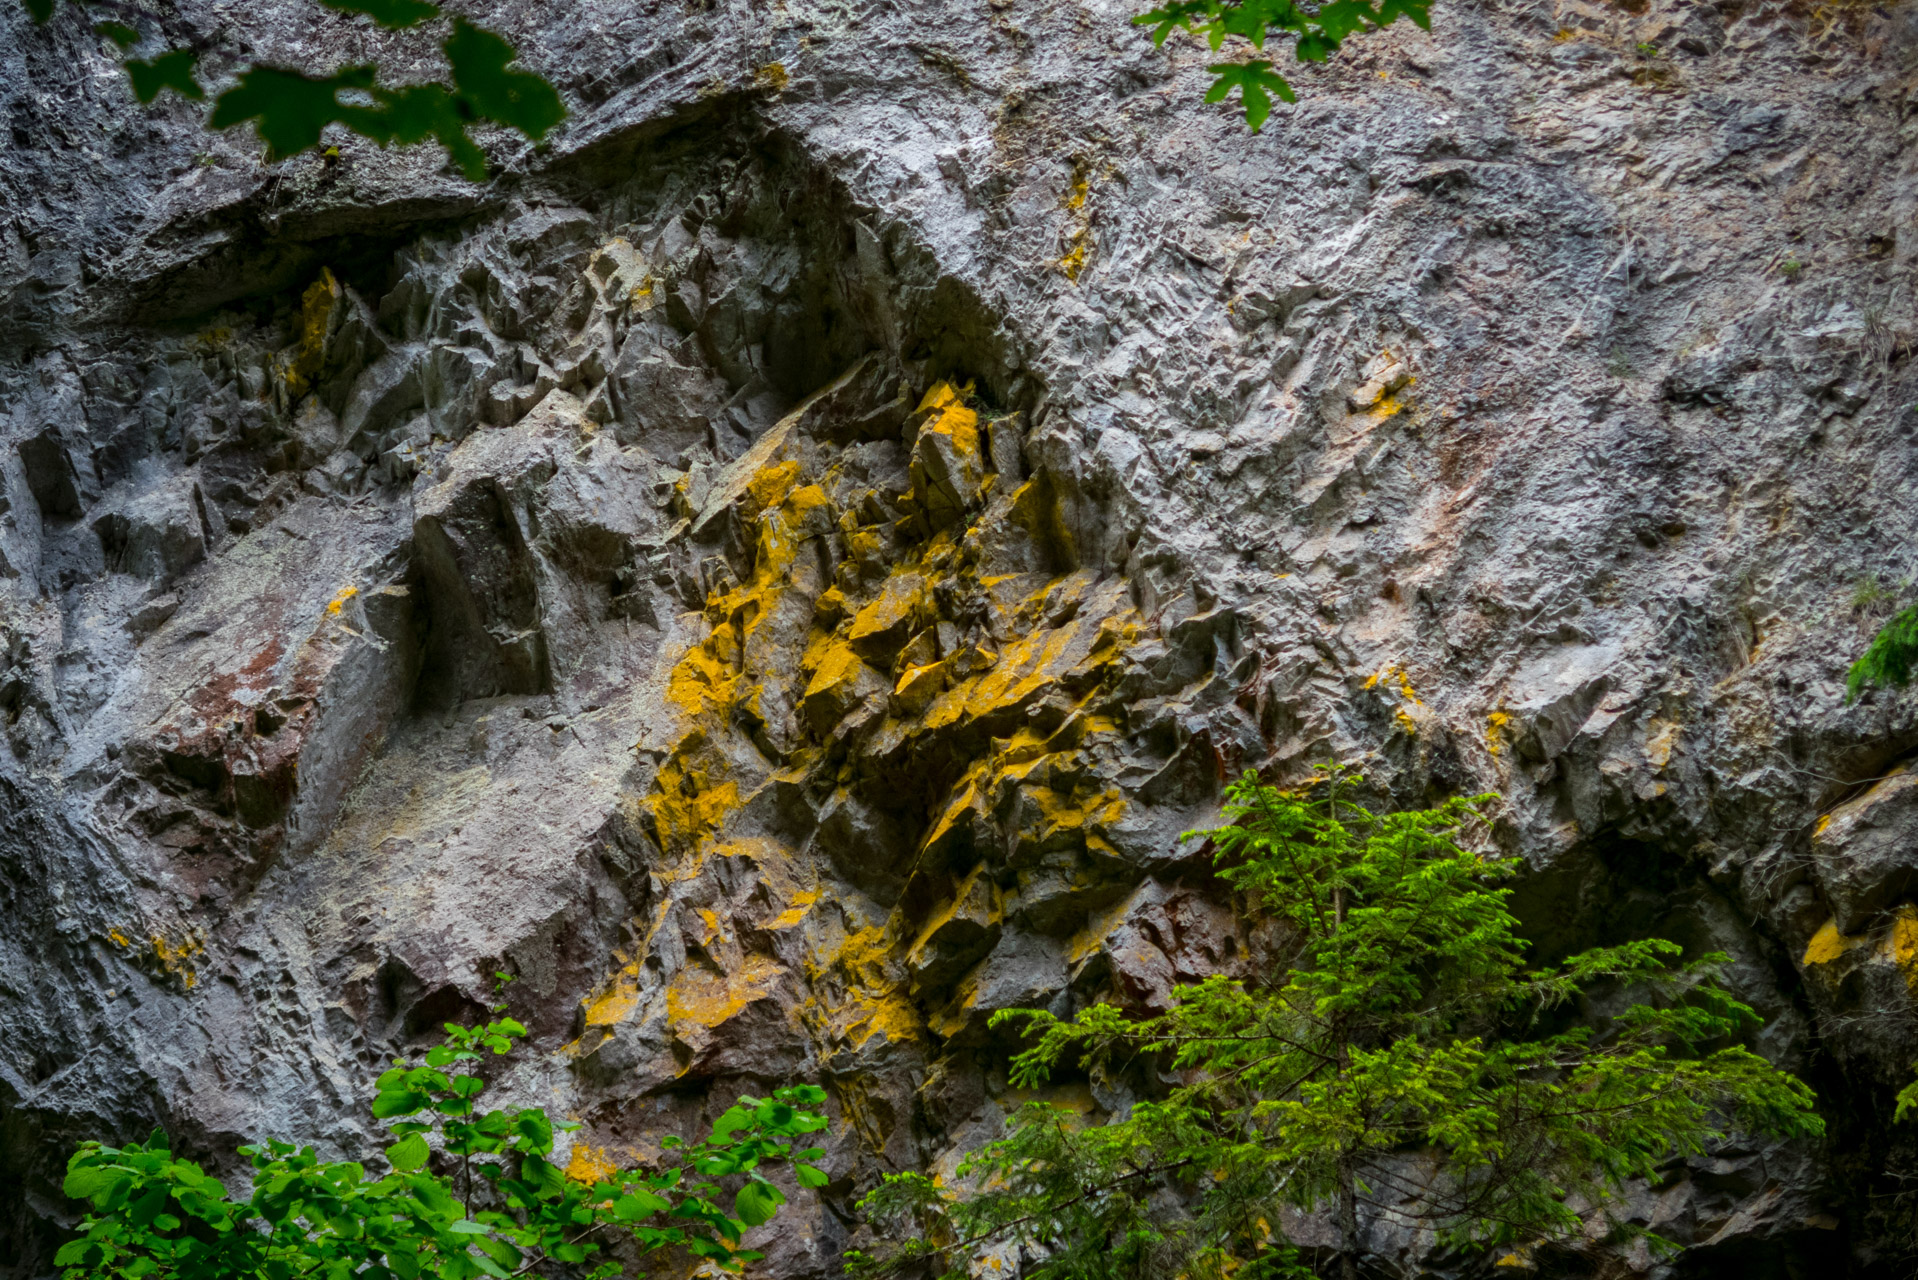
(157,1216)
(291,110)
(1317,33)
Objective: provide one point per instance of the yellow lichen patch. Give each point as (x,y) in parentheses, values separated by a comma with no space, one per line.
(1025,666)
(1079,726)
(1405,722)
(1391,404)
(617,1001)
(338,602)
(1079,237)
(1828,945)
(693,796)
(707,681)
(700,682)
(955,419)
(1394,674)
(1661,742)
(591,1164)
(835,686)
(1819,830)
(316,319)
(772,78)
(1073,265)
(770,485)
(1495,724)
(700,997)
(790,918)
(1073,813)
(943,395)
(1901,947)
(119,938)
(881,625)
(177,958)
(976,901)
(860,995)
(918,686)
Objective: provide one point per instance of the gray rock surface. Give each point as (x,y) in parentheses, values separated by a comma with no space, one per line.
(599,574)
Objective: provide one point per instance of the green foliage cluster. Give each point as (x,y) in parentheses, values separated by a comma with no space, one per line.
(1890,657)
(1402,1061)
(1317,34)
(500,1208)
(291,109)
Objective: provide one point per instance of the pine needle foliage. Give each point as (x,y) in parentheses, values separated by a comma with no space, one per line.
(466,1193)
(1400,1064)
(1889,659)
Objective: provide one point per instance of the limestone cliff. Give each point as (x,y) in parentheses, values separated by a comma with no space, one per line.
(779,567)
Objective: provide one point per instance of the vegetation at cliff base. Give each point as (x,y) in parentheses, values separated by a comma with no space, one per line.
(1399,1063)
(466,1193)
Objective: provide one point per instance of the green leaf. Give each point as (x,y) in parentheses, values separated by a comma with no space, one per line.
(144,1209)
(118,32)
(172,70)
(757,1202)
(393,14)
(808,1176)
(40,10)
(535,1131)
(517,99)
(87,1181)
(74,1253)
(639,1204)
(291,111)
(394,1102)
(408,1154)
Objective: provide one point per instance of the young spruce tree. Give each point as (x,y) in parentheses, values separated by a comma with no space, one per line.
(1399,1064)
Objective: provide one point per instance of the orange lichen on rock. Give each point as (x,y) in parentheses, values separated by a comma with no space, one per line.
(591,1164)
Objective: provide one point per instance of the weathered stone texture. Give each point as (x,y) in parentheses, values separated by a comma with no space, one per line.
(779,568)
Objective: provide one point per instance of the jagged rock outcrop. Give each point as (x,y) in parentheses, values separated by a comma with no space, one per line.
(778,569)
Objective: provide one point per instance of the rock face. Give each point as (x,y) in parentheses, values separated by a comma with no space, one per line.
(778,568)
